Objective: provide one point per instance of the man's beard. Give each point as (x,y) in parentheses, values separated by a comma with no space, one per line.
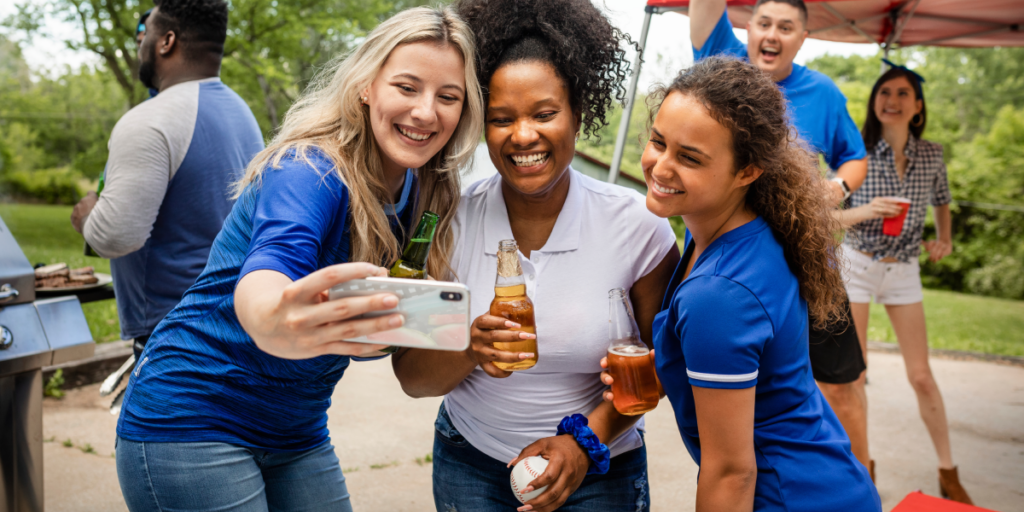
(147,68)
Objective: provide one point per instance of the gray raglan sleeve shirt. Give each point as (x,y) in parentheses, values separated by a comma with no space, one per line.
(146,148)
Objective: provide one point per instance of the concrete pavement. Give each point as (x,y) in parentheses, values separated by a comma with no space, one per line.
(380,433)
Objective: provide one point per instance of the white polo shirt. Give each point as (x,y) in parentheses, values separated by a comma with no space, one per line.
(604,238)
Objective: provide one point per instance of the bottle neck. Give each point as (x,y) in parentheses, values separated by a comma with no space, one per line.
(418,248)
(510,273)
(621,326)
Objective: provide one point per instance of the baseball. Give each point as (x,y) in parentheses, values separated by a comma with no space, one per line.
(524,472)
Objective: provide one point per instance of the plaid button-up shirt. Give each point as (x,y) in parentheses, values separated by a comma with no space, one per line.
(924,182)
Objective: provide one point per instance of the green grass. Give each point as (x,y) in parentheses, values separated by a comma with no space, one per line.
(958,321)
(45,235)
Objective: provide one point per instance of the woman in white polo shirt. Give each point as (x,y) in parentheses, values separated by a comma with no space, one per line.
(551,69)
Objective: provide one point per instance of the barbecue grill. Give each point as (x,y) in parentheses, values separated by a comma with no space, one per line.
(33,334)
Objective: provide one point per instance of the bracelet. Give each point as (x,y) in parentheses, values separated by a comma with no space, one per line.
(599,454)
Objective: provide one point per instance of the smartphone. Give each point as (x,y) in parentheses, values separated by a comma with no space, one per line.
(436,312)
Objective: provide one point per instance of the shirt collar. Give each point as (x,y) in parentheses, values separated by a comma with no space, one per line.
(565,236)
(395,209)
(882,146)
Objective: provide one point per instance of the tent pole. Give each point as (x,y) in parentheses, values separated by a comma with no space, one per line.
(627,112)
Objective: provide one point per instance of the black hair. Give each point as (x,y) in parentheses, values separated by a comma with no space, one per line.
(573,36)
(201,26)
(872,129)
(799,4)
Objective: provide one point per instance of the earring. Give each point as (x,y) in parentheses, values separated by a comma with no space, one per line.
(917,120)
(577,137)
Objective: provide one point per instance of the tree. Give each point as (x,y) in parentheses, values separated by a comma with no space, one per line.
(272,50)
(275,47)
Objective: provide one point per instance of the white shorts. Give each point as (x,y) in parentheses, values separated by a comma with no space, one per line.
(895,284)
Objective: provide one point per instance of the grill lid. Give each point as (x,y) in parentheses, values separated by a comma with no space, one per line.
(17,279)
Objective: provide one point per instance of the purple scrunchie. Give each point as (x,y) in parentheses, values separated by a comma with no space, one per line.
(599,454)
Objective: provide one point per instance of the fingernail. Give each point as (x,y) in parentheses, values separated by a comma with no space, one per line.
(512,325)
(396,321)
(390,301)
(527,336)
(525,355)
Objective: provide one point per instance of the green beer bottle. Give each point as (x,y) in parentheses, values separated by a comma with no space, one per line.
(89,251)
(413,263)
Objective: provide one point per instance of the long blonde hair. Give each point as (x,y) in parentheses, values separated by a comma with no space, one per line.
(330,117)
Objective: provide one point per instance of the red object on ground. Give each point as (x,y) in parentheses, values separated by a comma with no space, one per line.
(893,226)
(920,502)
(975,23)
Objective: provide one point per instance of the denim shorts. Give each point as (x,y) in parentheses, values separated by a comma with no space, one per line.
(224,477)
(468,480)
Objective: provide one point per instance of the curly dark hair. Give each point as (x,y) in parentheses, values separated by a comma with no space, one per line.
(790,195)
(200,25)
(572,35)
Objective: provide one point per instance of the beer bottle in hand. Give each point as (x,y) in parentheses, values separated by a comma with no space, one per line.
(413,263)
(510,301)
(634,384)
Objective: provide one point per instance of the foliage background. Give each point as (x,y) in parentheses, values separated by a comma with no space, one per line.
(54,123)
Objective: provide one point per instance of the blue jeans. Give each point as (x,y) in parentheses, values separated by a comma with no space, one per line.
(468,480)
(225,477)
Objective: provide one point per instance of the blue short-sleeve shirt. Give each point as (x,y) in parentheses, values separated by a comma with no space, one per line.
(201,377)
(736,322)
(817,108)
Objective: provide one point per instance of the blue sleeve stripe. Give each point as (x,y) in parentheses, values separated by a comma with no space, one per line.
(718,377)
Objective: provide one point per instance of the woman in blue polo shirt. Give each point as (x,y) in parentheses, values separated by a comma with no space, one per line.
(227,408)
(731,341)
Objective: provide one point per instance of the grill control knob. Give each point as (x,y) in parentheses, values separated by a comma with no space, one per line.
(6,338)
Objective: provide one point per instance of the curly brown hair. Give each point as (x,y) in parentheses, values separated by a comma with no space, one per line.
(573,36)
(791,194)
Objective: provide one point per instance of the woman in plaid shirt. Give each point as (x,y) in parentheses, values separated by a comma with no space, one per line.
(883,261)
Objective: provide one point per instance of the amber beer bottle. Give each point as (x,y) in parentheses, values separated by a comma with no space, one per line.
(413,263)
(510,301)
(634,384)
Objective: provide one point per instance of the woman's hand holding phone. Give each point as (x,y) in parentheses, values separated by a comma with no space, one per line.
(295,320)
(484,333)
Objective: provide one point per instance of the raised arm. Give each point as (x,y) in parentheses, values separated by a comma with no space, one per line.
(294,320)
(704,15)
(728,468)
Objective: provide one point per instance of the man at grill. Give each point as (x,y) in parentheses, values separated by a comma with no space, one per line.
(817,109)
(172,161)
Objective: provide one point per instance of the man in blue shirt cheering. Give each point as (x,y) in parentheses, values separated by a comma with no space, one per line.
(817,108)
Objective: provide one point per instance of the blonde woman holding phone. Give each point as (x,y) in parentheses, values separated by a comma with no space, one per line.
(227,409)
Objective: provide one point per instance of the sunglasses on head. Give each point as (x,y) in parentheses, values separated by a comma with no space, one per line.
(142,23)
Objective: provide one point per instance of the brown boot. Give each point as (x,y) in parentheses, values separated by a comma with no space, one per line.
(949,486)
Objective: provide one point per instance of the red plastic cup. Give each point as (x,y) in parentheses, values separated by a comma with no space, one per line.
(893,226)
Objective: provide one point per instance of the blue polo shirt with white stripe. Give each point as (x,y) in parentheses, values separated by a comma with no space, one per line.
(738,321)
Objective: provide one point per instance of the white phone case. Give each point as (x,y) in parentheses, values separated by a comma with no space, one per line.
(436,312)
